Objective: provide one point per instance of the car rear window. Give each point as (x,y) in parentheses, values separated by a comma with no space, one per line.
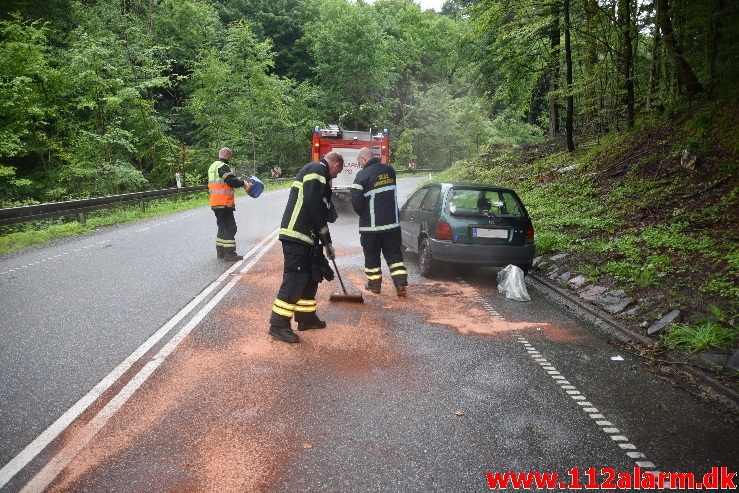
(482,202)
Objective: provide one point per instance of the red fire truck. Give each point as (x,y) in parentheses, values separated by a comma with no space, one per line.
(347,143)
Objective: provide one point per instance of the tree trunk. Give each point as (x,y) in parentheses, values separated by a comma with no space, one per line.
(591,59)
(554,72)
(626,58)
(654,72)
(713,42)
(685,76)
(570,97)
(591,9)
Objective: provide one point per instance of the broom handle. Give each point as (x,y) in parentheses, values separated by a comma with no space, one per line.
(337,273)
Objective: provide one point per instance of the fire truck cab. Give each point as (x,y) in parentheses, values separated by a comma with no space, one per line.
(347,143)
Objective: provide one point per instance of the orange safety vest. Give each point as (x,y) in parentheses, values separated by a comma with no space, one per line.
(221,194)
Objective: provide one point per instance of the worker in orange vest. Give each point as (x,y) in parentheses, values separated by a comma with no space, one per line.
(221,187)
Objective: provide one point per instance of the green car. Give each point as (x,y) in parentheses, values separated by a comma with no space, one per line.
(467,223)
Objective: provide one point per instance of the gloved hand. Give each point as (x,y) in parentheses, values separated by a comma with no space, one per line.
(324,236)
(255,187)
(328,251)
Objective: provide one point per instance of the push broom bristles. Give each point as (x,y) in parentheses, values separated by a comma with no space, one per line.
(350,298)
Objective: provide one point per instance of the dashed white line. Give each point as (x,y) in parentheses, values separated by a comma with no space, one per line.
(593,412)
(54,257)
(606,426)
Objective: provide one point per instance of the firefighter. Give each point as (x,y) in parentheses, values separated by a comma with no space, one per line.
(221,185)
(375,198)
(304,222)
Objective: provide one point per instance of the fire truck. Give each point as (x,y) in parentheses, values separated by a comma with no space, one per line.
(347,143)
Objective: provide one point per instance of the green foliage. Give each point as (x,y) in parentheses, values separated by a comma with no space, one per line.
(722,285)
(674,237)
(509,131)
(705,335)
(550,242)
(589,271)
(186,28)
(633,272)
(351,62)
(570,205)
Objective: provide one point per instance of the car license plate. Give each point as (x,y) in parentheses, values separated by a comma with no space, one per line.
(489,233)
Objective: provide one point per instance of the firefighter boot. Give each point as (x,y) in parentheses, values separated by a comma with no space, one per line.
(401,285)
(374,285)
(283,333)
(229,254)
(308,321)
(219,251)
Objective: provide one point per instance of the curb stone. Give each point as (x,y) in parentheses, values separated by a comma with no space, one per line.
(622,333)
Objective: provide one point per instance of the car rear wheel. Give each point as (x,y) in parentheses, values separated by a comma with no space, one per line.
(525,268)
(426,263)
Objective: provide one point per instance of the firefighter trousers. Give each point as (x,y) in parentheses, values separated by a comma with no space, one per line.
(297,294)
(387,243)
(226,237)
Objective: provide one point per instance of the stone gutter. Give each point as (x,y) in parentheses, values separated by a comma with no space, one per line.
(606,323)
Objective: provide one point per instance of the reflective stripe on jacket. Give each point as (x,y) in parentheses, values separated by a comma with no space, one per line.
(375,198)
(306,211)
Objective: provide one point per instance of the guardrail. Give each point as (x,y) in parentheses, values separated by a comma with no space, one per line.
(26,213)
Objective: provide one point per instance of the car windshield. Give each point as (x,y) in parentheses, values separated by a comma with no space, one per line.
(482,202)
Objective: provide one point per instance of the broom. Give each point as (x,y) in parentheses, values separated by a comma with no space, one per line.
(351,298)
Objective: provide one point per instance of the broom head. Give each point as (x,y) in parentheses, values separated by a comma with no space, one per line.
(349,298)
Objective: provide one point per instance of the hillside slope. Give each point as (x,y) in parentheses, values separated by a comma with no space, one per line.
(652,211)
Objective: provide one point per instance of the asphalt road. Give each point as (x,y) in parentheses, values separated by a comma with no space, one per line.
(427,393)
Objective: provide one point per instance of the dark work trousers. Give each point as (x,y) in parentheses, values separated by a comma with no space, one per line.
(226,229)
(297,294)
(389,244)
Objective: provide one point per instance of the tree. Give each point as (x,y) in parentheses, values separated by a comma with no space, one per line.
(352,63)
(554,71)
(569,120)
(626,57)
(685,76)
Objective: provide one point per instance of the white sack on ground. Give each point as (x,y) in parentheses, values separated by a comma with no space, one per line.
(511,283)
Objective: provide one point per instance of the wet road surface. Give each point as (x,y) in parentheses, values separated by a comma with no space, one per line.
(427,393)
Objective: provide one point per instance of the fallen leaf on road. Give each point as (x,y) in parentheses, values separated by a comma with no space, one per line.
(458,413)
(307,445)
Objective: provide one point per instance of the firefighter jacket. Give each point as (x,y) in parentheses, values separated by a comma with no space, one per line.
(375,198)
(308,205)
(221,185)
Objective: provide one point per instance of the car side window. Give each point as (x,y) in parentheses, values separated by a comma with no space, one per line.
(429,202)
(415,201)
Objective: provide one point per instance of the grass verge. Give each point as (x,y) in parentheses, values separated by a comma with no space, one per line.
(44,231)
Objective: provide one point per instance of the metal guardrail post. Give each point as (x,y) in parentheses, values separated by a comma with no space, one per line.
(81,218)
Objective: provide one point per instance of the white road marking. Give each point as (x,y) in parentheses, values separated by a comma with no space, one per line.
(52,258)
(606,426)
(47,436)
(65,456)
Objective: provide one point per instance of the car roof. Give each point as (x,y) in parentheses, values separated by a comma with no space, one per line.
(463,184)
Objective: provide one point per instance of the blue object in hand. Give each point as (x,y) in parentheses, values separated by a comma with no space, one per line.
(257,187)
